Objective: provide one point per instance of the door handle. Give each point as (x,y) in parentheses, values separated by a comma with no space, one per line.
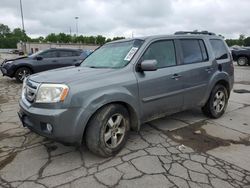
(176,76)
(54,60)
(74,60)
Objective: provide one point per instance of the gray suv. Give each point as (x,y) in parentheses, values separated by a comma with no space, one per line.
(126,83)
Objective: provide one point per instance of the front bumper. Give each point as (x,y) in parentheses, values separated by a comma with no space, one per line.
(4,71)
(7,72)
(64,123)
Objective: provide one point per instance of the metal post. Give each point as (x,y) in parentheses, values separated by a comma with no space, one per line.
(21,8)
(76,25)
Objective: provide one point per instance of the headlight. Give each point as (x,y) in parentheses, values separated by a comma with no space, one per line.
(24,88)
(51,93)
(8,62)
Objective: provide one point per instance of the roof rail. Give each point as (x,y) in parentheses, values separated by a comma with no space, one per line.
(194,32)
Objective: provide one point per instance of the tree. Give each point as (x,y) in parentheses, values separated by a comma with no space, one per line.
(9,39)
(241,40)
(232,42)
(100,39)
(4,30)
(63,38)
(247,41)
(108,40)
(51,38)
(118,38)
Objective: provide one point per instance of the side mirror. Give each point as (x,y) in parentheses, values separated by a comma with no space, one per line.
(39,58)
(148,65)
(78,64)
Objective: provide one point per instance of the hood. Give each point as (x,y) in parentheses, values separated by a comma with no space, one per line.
(70,74)
(15,60)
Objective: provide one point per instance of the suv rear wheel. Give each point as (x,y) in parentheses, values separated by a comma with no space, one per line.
(21,73)
(107,130)
(217,102)
(242,61)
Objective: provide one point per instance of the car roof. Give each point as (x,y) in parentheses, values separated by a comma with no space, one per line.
(173,36)
(65,49)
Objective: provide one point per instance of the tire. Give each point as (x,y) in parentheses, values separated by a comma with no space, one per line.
(217,102)
(242,61)
(106,122)
(21,73)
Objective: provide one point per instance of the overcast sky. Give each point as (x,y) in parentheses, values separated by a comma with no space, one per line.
(124,17)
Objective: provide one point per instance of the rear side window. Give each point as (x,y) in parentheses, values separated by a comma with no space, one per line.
(163,52)
(219,49)
(76,53)
(64,53)
(193,51)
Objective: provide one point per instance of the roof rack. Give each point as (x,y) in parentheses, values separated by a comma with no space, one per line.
(194,32)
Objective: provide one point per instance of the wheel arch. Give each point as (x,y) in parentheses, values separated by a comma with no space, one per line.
(24,66)
(134,118)
(225,84)
(219,78)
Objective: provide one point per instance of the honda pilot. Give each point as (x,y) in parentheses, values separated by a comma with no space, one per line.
(126,83)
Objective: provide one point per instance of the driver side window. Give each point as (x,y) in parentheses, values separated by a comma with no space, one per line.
(163,52)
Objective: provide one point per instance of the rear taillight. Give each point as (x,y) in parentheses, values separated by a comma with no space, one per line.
(232,67)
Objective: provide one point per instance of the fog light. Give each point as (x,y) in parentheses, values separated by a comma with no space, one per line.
(49,127)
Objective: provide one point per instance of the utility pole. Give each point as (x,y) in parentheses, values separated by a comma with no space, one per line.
(21,8)
(76,25)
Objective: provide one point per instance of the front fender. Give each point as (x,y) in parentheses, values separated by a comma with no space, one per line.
(99,99)
(20,65)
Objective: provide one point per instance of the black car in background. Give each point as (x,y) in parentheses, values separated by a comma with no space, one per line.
(42,61)
(241,55)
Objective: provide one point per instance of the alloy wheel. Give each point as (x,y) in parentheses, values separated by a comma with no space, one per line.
(23,74)
(219,101)
(114,131)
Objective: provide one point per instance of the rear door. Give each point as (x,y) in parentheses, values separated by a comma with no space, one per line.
(160,91)
(197,70)
(68,58)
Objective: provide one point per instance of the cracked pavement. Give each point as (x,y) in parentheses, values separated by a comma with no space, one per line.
(183,150)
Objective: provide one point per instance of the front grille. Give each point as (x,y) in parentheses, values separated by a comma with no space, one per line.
(31,89)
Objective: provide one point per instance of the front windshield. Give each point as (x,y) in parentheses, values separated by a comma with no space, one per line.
(36,53)
(114,55)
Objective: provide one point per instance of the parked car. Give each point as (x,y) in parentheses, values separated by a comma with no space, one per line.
(241,55)
(126,83)
(41,61)
(16,51)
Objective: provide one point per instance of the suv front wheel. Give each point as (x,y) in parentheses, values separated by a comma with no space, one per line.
(22,73)
(107,130)
(217,102)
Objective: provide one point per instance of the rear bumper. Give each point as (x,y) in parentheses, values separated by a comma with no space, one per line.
(63,121)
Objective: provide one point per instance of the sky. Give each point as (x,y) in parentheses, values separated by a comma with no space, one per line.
(128,18)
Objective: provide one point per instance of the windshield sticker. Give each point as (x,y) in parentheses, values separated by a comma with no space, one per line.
(130,54)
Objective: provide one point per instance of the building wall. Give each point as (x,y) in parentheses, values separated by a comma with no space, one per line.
(34,47)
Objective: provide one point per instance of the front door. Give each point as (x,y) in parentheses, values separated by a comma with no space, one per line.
(160,91)
(49,61)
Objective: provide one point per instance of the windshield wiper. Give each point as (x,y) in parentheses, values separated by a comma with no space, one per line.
(98,67)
